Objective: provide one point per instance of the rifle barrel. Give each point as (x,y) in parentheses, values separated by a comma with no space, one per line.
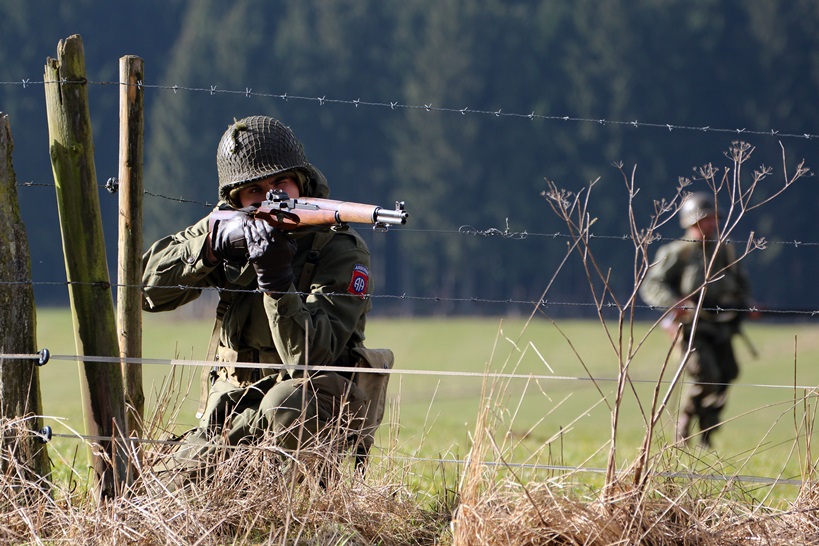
(386,216)
(348,211)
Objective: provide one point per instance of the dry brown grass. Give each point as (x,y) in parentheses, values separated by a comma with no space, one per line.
(256,495)
(667,515)
(260,495)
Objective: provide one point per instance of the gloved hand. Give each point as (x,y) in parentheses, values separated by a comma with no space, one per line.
(271,253)
(227,236)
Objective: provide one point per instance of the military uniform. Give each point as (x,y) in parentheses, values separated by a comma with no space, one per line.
(679,271)
(320,323)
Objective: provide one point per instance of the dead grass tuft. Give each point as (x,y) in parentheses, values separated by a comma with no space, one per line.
(259,495)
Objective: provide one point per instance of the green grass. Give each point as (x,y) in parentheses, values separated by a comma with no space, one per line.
(562,420)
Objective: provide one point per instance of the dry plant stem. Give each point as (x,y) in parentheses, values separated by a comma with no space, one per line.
(808,419)
(582,363)
(639,470)
(569,252)
(293,475)
(468,486)
(641,239)
(535,506)
(543,300)
(579,230)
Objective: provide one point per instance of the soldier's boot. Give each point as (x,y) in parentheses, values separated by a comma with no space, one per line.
(705,439)
(709,423)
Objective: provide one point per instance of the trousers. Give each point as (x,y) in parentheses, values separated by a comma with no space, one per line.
(712,366)
(296,412)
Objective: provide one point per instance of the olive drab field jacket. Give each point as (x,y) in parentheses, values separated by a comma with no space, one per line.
(679,270)
(329,315)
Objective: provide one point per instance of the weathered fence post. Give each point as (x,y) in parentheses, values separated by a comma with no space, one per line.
(129,295)
(72,161)
(19,378)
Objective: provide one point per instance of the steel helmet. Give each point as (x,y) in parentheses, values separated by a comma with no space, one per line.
(257,147)
(695,207)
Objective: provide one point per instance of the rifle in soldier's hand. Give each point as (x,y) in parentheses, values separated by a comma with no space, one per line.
(288,213)
(283,212)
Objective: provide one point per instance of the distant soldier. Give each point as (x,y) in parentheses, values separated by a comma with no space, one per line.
(673,281)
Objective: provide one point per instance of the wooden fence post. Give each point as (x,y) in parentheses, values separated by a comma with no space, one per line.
(20,400)
(129,296)
(72,161)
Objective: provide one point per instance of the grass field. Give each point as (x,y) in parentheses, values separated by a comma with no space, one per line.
(551,413)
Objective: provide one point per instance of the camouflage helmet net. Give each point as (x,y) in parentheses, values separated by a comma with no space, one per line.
(254,148)
(695,207)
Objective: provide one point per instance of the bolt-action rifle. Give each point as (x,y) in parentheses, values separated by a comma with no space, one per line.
(287,213)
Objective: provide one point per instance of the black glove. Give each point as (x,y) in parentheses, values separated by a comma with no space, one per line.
(227,236)
(271,252)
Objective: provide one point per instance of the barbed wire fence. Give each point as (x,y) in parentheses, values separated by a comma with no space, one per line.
(503,233)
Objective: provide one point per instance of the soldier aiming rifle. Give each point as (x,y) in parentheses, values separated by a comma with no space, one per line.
(293,293)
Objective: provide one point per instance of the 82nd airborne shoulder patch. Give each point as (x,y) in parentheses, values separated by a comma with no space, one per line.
(359,281)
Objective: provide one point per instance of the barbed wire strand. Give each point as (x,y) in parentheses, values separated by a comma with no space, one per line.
(248,92)
(504,233)
(542,304)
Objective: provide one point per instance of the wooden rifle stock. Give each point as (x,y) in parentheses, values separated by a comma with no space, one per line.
(285,213)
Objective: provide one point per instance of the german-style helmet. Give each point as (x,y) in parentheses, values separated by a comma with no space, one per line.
(257,147)
(695,207)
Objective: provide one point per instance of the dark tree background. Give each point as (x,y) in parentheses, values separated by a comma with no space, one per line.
(727,65)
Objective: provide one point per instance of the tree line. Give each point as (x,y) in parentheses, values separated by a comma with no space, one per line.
(428,102)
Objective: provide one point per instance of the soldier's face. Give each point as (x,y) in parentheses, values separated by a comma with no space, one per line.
(705,228)
(254,194)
